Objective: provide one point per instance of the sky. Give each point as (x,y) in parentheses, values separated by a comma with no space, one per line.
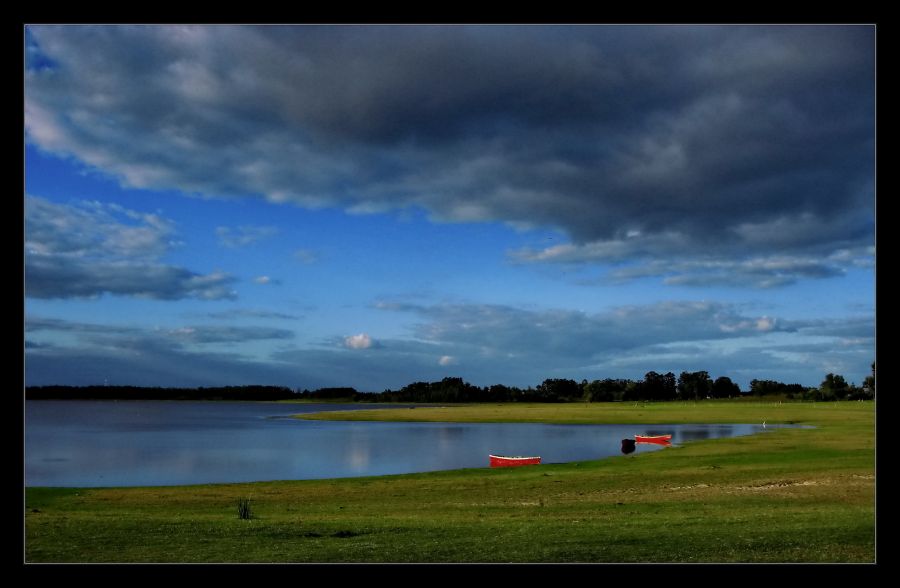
(370,206)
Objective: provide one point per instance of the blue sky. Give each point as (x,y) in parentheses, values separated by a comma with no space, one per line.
(371,206)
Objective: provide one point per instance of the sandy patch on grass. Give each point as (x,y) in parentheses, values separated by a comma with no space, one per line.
(778,484)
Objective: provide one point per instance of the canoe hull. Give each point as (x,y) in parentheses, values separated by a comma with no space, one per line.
(657,439)
(500,461)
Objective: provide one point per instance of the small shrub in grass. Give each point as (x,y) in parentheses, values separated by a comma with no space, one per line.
(244,509)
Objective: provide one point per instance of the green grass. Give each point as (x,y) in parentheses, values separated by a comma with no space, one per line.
(792,495)
(707,411)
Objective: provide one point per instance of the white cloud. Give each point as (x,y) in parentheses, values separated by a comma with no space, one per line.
(627,341)
(158,336)
(244,235)
(86,249)
(360,341)
(567,337)
(92,229)
(243,313)
(262,280)
(765,324)
(306,256)
(230,334)
(670,257)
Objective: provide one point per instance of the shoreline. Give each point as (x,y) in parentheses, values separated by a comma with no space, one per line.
(795,495)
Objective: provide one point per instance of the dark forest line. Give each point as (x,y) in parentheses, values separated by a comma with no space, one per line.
(654,386)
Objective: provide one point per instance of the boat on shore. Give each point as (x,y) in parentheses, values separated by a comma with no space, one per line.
(503,461)
(658,439)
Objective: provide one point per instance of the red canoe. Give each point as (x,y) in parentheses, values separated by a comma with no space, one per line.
(660,439)
(500,461)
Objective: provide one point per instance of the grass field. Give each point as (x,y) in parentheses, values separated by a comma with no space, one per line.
(791,495)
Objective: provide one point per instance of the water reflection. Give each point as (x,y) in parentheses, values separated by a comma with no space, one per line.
(695,434)
(75,443)
(560,431)
(451,431)
(660,442)
(706,432)
(358,458)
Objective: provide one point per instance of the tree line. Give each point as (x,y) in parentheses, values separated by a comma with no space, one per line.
(687,386)
(655,386)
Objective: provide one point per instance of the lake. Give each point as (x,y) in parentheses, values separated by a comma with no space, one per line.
(162,443)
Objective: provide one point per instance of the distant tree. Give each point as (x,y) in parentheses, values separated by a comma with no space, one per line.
(500,393)
(765,387)
(869,382)
(834,387)
(632,390)
(654,387)
(773,388)
(415,392)
(694,385)
(556,390)
(607,390)
(793,390)
(758,387)
(450,390)
(333,393)
(855,392)
(723,387)
(669,386)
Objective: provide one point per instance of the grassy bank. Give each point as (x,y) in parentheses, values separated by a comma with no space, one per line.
(708,411)
(784,496)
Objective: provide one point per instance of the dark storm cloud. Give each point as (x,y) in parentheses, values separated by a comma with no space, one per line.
(92,249)
(639,142)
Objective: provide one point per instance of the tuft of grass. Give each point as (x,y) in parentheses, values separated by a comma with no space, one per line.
(244,511)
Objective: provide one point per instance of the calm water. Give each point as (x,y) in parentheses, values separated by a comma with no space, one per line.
(147,443)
